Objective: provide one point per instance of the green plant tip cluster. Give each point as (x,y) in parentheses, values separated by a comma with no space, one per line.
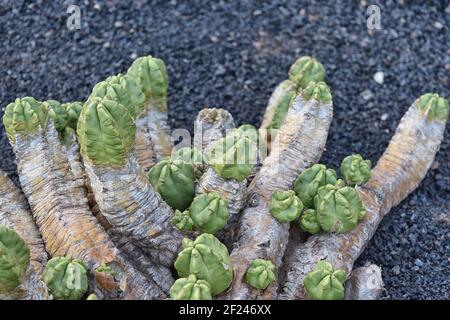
(233,156)
(318,91)
(310,180)
(192,156)
(190,288)
(175,181)
(150,74)
(338,209)
(356,170)
(14,259)
(209,212)
(105,132)
(284,104)
(64,116)
(23,116)
(73,110)
(247,130)
(208,259)
(325,283)
(92,296)
(285,206)
(308,222)
(65,278)
(260,274)
(305,70)
(183,221)
(435,106)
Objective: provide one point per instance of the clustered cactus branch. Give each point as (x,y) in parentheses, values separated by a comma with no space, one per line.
(115,209)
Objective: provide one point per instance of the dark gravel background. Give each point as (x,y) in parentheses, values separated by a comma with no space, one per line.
(232,55)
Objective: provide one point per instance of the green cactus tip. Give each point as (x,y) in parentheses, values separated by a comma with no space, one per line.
(73,110)
(92,296)
(65,278)
(356,170)
(284,103)
(175,181)
(285,206)
(14,259)
(183,221)
(434,106)
(310,180)
(305,70)
(105,132)
(309,223)
(209,212)
(318,91)
(260,274)
(208,259)
(190,288)
(192,156)
(325,283)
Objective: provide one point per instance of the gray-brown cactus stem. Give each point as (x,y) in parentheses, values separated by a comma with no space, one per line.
(298,145)
(398,172)
(31,288)
(364,283)
(144,151)
(134,209)
(154,126)
(67,226)
(211,125)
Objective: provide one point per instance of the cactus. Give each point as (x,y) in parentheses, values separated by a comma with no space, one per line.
(308,221)
(318,91)
(284,103)
(192,156)
(174,180)
(209,212)
(14,259)
(183,221)
(325,283)
(92,296)
(285,206)
(356,170)
(310,180)
(305,70)
(191,288)
(435,106)
(260,274)
(208,259)
(67,279)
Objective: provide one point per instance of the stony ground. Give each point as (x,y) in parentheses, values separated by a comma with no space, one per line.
(232,54)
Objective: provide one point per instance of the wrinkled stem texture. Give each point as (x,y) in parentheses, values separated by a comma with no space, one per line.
(135,210)
(398,172)
(364,283)
(68,228)
(298,145)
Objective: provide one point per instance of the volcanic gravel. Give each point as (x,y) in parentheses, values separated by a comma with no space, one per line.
(232,55)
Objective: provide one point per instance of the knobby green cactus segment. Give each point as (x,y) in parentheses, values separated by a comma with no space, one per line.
(434,106)
(106,132)
(57,113)
(14,259)
(325,283)
(151,77)
(191,288)
(175,181)
(260,274)
(92,296)
(23,116)
(285,206)
(318,91)
(309,223)
(192,156)
(310,180)
(356,170)
(123,90)
(66,279)
(209,212)
(73,110)
(208,259)
(305,70)
(233,157)
(338,209)
(282,107)
(247,130)
(183,221)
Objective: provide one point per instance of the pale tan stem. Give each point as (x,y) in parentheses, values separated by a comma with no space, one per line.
(364,283)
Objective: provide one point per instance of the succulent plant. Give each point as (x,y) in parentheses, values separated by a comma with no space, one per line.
(233,157)
(105,132)
(435,106)
(338,209)
(260,274)
(247,130)
(192,156)
(305,70)
(73,110)
(285,206)
(310,180)
(58,113)
(65,278)
(150,75)
(14,259)
(24,115)
(174,180)
(183,221)
(318,91)
(356,170)
(190,288)
(208,259)
(282,108)
(309,223)
(92,296)
(325,283)
(209,212)
(122,89)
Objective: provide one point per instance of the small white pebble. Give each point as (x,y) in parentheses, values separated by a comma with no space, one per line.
(118,24)
(133,56)
(257,13)
(214,39)
(97,6)
(438,25)
(367,94)
(379,77)
(447,10)
(384,116)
